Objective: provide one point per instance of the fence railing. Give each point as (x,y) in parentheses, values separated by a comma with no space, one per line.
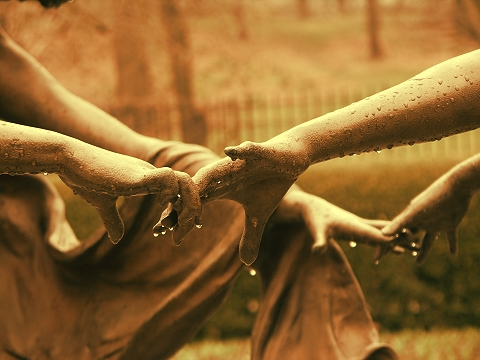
(260,117)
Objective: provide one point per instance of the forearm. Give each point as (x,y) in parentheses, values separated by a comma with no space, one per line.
(439,102)
(30,150)
(31,96)
(464,177)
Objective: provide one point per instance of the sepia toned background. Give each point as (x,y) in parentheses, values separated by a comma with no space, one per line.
(218,72)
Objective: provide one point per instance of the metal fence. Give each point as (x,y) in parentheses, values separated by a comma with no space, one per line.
(260,117)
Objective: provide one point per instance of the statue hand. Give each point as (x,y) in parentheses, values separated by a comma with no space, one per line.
(326,221)
(440,208)
(104,176)
(257,187)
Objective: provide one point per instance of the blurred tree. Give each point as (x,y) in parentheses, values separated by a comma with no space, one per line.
(239,14)
(467,17)
(373,26)
(178,43)
(303,9)
(134,74)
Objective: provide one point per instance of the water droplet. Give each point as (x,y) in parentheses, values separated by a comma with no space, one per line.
(379,107)
(405,104)
(457,88)
(377,262)
(412,98)
(467,78)
(390,116)
(353,112)
(413,245)
(156,234)
(414,253)
(254,222)
(219,182)
(45,173)
(366,114)
(198,226)
(170,228)
(404,231)
(252,272)
(179,196)
(452,100)
(164,231)
(440,81)
(352,244)
(455,76)
(444,93)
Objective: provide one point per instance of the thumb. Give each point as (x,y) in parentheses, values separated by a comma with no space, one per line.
(394,227)
(242,151)
(320,241)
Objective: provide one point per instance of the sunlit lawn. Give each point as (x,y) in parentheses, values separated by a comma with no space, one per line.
(461,344)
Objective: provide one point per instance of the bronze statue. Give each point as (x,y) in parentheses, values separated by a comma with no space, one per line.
(441,101)
(144,298)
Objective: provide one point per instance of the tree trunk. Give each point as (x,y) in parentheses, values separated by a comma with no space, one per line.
(303,10)
(373,25)
(239,14)
(178,42)
(467,17)
(134,74)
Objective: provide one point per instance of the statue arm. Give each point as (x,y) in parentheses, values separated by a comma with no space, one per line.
(32,96)
(51,130)
(441,101)
(441,207)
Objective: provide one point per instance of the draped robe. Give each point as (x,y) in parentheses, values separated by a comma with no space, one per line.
(144,298)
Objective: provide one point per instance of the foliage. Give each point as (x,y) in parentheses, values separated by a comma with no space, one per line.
(410,344)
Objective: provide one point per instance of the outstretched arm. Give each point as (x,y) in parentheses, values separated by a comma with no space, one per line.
(438,102)
(327,222)
(95,154)
(31,96)
(441,207)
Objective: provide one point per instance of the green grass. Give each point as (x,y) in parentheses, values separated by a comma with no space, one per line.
(462,344)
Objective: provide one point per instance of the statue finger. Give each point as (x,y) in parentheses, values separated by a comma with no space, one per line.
(246,150)
(400,222)
(427,244)
(259,202)
(181,230)
(452,237)
(112,221)
(191,206)
(320,240)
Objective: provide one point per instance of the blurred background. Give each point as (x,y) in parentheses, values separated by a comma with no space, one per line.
(218,72)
